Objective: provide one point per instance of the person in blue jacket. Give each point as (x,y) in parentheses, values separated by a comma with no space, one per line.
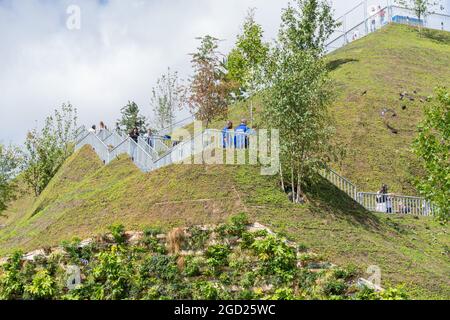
(241,135)
(227,137)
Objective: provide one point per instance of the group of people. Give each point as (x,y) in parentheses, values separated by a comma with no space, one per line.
(237,137)
(102,128)
(374,12)
(374,15)
(134,134)
(150,137)
(384,202)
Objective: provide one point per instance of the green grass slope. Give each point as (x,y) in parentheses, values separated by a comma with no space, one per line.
(86,197)
(391,61)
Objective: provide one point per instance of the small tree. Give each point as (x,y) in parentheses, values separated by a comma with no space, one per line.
(298,97)
(432,146)
(166,98)
(422,8)
(131,118)
(245,60)
(209,91)
(9,163)
(307,25)
(47,149)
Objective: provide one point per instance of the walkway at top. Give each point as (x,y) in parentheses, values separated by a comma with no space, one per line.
(371,15)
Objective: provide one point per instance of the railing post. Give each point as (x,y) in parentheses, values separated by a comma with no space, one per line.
(345,29)
(365,17)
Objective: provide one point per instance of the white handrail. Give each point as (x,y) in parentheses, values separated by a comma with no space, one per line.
(393,13)
(146,162)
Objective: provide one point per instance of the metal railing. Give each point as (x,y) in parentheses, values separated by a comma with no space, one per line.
(341,183)
(113,139)
(358,22)
(390,203)
(97,144)
(146,158)
(228,139)
(184,122)
(383,203)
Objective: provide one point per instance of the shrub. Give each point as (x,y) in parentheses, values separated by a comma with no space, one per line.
(198,238)
(283,294)
(152,231)
(192,266)
(345,274)
(118,233)
(204,290)
(334,287)
(111,275)
(277,257)
(217,256)
(163,267)
(247,240)
(11,280)
(43,286)
(396,293)
(238,224)
(154,245)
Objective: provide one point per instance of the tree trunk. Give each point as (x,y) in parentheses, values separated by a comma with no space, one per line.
(293,183)
(299,186)
(282,178)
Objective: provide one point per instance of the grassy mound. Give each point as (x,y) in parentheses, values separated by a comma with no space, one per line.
(409,250)
(370,74)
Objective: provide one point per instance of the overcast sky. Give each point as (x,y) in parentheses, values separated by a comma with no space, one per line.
(117,54)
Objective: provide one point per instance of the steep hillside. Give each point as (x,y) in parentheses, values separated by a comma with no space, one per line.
(370,74)
(86,197)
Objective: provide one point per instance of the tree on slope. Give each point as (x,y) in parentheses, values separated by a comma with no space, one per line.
(9,163)
(307,25)
(432,146)
(245,60)
(167,97)
(131,118)
(422,8)
(48,148)
(298,97)
(208,92)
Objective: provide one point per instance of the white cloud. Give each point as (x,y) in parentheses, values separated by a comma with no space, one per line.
(116,56)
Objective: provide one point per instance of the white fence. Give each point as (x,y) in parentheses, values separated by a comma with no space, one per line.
(390,203)
(341,183)
(168,130)
(147,159)
(383,203)
(360,21)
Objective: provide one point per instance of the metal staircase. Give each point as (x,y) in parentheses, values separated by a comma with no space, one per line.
(110,145)
(368,16)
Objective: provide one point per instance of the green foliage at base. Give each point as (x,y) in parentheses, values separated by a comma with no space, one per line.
(263,268)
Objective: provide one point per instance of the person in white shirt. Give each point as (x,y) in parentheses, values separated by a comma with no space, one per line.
(93,129)
(149,138)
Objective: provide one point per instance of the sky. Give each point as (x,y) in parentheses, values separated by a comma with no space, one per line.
(113,53)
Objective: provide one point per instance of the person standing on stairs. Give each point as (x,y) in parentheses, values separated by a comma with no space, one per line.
(102,130)
(382,14)
(93,129)
(149,138)
(373,18)
(134,135)
(381,199)
(227,137)
(241,138)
